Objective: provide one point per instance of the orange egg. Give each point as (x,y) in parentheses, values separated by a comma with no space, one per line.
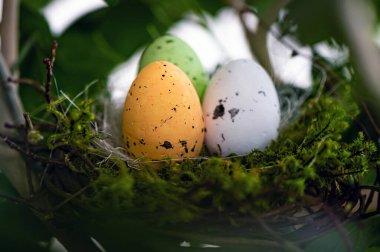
(162,116)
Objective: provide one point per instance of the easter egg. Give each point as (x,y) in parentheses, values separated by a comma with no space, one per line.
(172,49)
(241,109)
(162,116)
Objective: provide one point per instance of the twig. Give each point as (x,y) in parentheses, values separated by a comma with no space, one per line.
(29,127)
(49,62)
(18,200)
(286,244)
(29,153)
(35,84)
(13,126)
(73,196)
(28,121)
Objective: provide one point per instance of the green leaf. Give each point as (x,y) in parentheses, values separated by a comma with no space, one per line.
(316,20)
(362,235)
(112,2)
(20,229)
(35,5)
(373,249)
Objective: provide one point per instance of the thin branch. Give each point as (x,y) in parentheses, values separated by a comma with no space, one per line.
(29,153)
(73,196)
(49,62)
(18,200)
(28,121)
(258,40)
(29,127)
(34,84)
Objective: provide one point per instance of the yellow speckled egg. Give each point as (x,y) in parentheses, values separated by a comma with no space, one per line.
(162,116)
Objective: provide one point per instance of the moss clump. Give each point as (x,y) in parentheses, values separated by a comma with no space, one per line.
(309,157)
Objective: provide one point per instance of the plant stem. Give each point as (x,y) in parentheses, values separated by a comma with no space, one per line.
(9,31)
(357,21)
(258,40)
(10,96)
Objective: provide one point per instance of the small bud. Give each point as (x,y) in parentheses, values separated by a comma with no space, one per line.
(34,137)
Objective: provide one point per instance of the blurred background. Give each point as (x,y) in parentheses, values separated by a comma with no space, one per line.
(300,43)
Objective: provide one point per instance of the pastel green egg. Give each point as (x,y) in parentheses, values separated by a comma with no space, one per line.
(178,52)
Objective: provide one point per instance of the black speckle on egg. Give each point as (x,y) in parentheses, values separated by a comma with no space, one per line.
(167,145)
(142,141)
(163,75)
(262,93)
(193,149)
(188,107)
(134,143)
(218,111)
(192,127)
(237,93)
(174,109)
(223,138)
(233,112)
(184,145)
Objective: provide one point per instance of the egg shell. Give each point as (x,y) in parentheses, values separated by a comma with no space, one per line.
(241,109)
(172,49)
(162,116)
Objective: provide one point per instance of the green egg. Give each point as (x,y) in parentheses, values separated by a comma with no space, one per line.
(176,51)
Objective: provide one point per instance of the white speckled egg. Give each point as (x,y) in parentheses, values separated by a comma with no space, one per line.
(241,109)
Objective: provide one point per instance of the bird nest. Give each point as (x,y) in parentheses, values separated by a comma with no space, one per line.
(306,182)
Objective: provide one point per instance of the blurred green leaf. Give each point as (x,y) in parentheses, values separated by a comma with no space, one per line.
(373,249)
(361,234)
(316,20)
(111,2)
(20,229)
(35,5)
(261,6)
